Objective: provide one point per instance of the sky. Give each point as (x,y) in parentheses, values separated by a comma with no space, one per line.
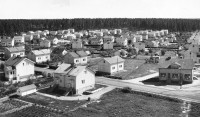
(59,9)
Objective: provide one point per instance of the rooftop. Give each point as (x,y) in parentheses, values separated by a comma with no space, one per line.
(27,88)
(113,60)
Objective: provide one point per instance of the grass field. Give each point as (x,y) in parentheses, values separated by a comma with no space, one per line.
(119,104)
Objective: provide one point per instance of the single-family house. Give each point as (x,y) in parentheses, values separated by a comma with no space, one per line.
(28,38)
(45,43)
(178,71)
(26,90)
(77,44)
(74,78)
(14,51)
(71,30)
(30,33)
(78,57)
(18,39)
(96,41)
(111,65)
(108,45)
(7,42)
(118,31)
(138,38)
(39,56)
(18,69)
(152,34)
(53,33)
(122,41)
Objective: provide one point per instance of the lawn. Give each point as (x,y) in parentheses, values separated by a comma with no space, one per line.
(119,104)
(53,103)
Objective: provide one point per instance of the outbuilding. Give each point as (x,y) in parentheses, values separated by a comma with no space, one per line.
(25,90)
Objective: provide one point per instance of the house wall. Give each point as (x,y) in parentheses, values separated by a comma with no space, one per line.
(83,60)
(8,54)
(170,72)
(108,68)
(139,45)
(108,46)
(31,56)
(84,81)
(116,67)
(24,68)
(26,92)
(10,74)
(42,58)
(77,45)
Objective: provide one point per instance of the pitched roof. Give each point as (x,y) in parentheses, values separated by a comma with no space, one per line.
(73,54)
(13,61)
(15,49)
(81,53)
(41,52)
(27,88)
(67,69)
(180,64)
(113,60)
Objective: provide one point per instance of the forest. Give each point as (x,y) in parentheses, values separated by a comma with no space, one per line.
(12,27)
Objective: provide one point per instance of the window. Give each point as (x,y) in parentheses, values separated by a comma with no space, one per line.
(15,78)
(187,76)
(113,67)
(175,76)
(120,66)
(83,81)
(23,64)
(163,75)
(77,60)
(60,80)
(11,72)
(83,59)
(46,57)
(104,61)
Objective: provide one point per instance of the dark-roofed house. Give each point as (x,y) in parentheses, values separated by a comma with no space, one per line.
(18,69)
(14,51)
(78,57)
(40,56)
(25,90)
(77,78)
(178,71)
(111,65)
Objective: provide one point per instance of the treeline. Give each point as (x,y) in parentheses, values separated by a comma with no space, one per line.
(11,27)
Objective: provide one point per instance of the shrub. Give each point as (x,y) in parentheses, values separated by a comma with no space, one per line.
(126,90)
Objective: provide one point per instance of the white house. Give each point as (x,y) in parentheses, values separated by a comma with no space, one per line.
(122,41)
(14,51)
(138,38)
(39,56)
(108,45)
(111,65)
(28,37)
(152,34)
(45,43)
(36,36)
(78,57)
(71,30)
(77,45)
(18,39)
(53,32)
(79,78)
(26,90)
(7,42)
(18,69)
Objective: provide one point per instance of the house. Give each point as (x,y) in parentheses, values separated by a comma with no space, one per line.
(118,31)
(30,33)
(78,57)
(7,42)
(77,44)
(39,56)
(152,34)
(138,38)
(53,33)
(14,51)
(36,36)
(78,35)
(18,69)
(69,36)
(122,41)
(71,30)
(18,39)
(108,45)
(178,71)
(26,90)
(28,38)
(151,43)
(139,45)
(53,40)
(77,78)
(111,65)
(96,41)
(108,39)
(45,43)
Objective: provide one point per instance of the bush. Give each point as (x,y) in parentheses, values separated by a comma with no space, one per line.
(126,90)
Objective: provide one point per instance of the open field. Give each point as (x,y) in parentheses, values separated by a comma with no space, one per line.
(119,104)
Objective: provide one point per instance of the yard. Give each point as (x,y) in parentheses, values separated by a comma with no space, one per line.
(119,104)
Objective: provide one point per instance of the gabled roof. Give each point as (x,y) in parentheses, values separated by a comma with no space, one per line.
(67,69)
(113,60)
(181,64)
(73,54)
(27,88)
(13,61)
(41,52)
(15,49)
(81,53)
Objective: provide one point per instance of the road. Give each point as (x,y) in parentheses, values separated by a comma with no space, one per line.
(187,95)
